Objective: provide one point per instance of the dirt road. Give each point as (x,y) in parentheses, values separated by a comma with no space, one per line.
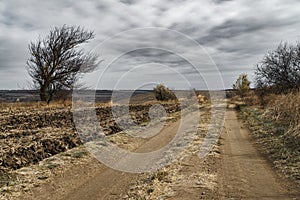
(97,181)
(241,171)
(244,172)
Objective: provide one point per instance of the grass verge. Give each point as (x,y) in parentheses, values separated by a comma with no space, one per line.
(281,148)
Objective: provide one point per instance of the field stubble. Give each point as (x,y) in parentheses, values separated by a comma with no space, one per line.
(31,134)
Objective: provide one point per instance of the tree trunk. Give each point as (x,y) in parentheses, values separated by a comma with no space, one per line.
(43,95)
(50,96)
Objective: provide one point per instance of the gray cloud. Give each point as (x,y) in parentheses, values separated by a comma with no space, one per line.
(236,33)
(221,1)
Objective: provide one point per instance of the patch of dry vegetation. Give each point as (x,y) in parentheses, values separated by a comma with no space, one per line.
(285,109)
(277,129)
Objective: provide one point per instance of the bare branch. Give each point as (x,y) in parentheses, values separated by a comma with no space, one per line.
(56,61)
(280,69)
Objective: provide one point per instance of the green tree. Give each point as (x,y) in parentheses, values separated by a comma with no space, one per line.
(242,85)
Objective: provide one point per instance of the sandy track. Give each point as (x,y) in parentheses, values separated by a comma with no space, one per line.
(244,172)
(110,184)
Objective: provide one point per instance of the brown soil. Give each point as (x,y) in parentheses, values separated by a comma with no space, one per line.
(30,135)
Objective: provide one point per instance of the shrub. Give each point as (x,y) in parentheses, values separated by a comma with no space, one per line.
(242,85)
(163,93)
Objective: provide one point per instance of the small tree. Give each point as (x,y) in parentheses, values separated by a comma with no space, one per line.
(279,70)
(56,61)
(163,93)
(242,85)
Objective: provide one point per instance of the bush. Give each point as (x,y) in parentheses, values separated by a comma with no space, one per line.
(163,93)
(242,85)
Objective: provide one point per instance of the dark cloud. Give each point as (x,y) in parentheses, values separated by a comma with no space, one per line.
(150,55)
(221,1)
(128,2)
(236,27)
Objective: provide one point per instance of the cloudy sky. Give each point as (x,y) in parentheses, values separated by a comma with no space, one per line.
(232,34)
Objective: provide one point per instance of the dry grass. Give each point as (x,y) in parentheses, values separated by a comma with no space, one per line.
(285,108)
(34,105)
(277,130)
(42,105)
(250,99)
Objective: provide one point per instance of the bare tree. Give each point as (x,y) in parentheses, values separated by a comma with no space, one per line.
(280,69)
(56,62)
